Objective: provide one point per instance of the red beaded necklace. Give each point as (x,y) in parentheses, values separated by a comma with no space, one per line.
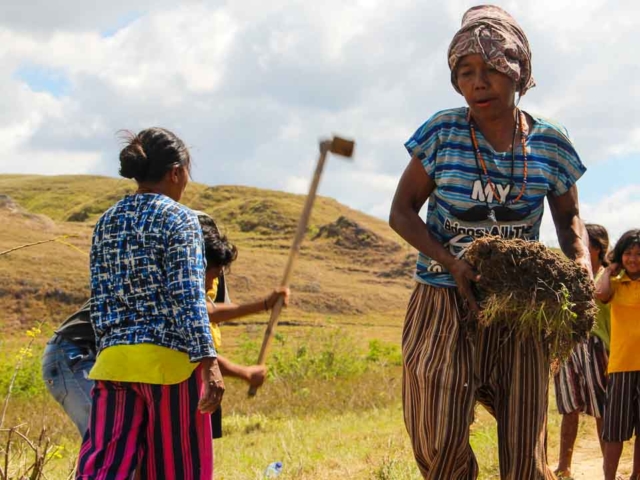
(521,124)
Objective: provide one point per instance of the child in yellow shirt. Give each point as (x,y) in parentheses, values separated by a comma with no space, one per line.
(619,285)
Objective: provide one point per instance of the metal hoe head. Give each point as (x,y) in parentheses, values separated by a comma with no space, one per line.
(339,146)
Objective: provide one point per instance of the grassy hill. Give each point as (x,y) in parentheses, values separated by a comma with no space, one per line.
(352,268)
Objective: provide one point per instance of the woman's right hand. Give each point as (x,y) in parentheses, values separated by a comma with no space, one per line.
(463,274)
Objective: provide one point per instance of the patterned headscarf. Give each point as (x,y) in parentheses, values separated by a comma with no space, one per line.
(493,33)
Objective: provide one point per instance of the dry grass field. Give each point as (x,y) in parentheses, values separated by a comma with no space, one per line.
(331,407)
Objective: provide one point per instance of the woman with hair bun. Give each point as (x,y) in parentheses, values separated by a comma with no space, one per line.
(156,374)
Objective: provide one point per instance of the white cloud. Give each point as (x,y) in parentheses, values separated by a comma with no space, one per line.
(381,210)
(617,212)
(296,185)
(252,85)
(52,162)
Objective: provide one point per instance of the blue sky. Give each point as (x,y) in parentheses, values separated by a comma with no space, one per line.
(604,178)
(42,79)
(122,22)
(252,85)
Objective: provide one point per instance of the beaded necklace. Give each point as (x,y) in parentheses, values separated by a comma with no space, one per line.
(521,125)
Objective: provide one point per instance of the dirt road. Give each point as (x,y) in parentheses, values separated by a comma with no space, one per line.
(587,459)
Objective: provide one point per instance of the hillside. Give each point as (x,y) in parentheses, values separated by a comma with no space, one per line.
(352,269)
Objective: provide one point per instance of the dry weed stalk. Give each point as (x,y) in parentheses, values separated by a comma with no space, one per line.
(14,462)
(61,239)
(25,352)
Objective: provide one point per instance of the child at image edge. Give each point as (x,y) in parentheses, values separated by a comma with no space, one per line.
(619,286)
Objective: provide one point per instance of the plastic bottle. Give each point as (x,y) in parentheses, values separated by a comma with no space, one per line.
(273,470)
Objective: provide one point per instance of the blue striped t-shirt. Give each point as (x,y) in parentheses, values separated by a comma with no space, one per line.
(443,144)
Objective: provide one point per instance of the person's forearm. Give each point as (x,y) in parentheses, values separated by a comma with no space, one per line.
(208,362)
(603,286)
(230,369)
(574,239)
(572,234)
(412,228)
(224,312)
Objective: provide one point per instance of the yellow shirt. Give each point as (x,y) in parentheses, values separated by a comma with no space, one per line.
(142,363)
(148,363)
(625,325)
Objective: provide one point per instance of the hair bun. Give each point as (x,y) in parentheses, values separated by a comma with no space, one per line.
(149,155)
(133,160)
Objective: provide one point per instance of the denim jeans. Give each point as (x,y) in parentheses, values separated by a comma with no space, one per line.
(65,370)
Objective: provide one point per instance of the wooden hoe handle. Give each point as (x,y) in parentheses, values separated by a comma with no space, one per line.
(338,146)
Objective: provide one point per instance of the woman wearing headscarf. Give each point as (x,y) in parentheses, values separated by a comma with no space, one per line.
(485,169)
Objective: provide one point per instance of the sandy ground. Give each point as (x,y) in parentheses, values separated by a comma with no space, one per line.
(587,458)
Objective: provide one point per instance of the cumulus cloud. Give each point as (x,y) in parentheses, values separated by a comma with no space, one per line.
(252,85)
(617,212)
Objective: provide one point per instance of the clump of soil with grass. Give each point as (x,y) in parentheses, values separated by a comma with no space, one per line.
(534,290)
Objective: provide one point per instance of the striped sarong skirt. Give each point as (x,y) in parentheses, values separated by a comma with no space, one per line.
(581,382)
(448,365)
(154,429)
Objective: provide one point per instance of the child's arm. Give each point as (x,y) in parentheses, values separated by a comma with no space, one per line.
(254,375)
(223,312)
(604,292)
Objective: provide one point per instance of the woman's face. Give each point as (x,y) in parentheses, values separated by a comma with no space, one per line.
(178,178)
(488,92)
(183,179)
(631,261)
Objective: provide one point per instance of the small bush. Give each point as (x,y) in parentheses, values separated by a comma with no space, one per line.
(28,381)
(325,356)
(394,468)
(384,353)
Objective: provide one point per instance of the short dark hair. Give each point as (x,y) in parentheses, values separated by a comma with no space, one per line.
(218,250)
(150,154)
(626,241)
(599,238)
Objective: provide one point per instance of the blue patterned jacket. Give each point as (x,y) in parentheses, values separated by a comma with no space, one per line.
(147,277)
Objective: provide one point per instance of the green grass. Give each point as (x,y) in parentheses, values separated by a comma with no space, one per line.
(323,419)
